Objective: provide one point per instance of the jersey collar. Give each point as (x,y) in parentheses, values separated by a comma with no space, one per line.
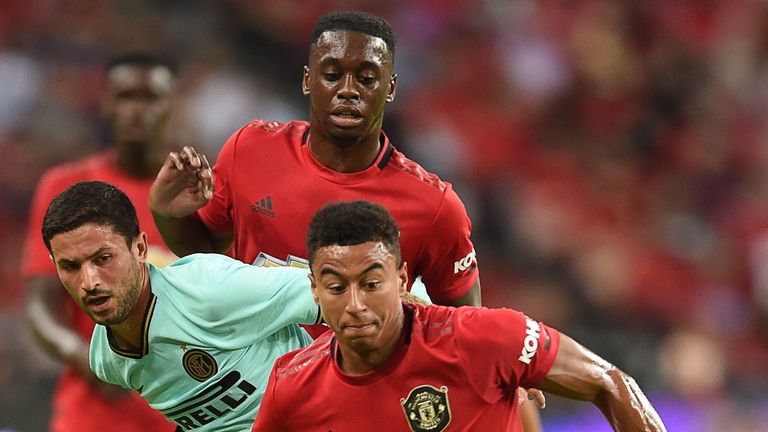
(385,154)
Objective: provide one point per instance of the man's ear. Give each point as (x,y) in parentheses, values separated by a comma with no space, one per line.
(314,288)
(403,276)
(392,88)
(142,246)
(305,81)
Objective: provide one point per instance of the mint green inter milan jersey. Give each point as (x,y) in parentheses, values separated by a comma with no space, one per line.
(212,331)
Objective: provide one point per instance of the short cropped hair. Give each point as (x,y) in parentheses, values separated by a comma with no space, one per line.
(351,223)
(142,59)
(90,202)
(358,22)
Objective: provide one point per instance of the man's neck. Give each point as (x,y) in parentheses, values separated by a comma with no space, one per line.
(358,362)
(345,157)
(128,334)
(142,162)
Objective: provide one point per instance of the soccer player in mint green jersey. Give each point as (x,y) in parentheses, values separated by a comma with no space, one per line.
(196,339)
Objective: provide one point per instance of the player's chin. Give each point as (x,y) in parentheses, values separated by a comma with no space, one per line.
(349,135)
(360,334)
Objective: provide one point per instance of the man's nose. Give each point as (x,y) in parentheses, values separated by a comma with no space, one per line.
(355,300)
(348,88)
(89,277)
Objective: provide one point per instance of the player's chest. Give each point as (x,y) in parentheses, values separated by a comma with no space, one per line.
(280,207)
(426,394)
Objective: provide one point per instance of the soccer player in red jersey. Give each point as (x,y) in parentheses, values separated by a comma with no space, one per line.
(138,103)
(271,178)
(404,367)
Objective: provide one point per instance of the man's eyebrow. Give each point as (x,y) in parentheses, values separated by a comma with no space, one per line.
(328,271)
(332,272)
(336,61)
(97,252)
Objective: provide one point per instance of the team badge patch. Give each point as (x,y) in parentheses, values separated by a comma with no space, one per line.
(427,409)
(199,364)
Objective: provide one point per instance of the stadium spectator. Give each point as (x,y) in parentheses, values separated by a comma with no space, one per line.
(138,102)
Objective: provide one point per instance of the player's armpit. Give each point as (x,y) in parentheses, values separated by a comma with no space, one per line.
(470,298)
(578,373)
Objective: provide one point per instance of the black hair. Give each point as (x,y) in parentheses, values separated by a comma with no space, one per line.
(90,202)
(356,21)
(351,223)
(142,59)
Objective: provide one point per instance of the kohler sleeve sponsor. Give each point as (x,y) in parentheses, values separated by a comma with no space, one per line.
(464,263)
(531,342)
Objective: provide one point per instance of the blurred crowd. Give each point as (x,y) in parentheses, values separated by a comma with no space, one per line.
(613,156)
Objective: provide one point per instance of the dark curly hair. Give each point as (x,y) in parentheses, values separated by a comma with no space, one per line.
(351,223)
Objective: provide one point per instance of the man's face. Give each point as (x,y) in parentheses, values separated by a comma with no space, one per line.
(358,289)
(349,80)
(138,103)
(99,271)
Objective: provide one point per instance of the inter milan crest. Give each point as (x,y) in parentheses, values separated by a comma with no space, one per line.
(427,409)
(199,364)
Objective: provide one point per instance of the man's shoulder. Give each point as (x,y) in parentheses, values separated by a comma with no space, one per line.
(412,172)
(266,129)
(299,364)
(80,169)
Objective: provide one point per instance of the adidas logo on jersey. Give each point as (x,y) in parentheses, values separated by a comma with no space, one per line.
(264,206)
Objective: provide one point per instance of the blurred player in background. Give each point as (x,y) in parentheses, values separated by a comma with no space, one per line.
(197,338)
(422,367)
(271,178)
(138,100)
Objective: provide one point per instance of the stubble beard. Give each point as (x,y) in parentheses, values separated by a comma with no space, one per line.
(129,289)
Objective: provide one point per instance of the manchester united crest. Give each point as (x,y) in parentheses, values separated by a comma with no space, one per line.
(199,364)
(427,409)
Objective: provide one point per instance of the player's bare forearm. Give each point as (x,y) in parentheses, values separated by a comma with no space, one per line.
(530,416)
(188,235)
(471,298)
(580,374)
(46,316)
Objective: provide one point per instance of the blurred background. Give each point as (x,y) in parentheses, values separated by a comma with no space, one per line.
(613,156)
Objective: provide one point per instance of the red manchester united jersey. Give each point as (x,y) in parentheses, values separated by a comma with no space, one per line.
(453,366)
(268,186)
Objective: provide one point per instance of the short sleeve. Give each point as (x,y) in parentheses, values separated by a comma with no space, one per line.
(503,346)
(447,263)
(217,214)
(36,260)
(246,303)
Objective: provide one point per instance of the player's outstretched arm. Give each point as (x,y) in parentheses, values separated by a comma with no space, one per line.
(183,185)
(45,314)
(580,374)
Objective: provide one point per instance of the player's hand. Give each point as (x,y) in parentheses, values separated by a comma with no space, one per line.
(79,360)
(536,395)
(183,185)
